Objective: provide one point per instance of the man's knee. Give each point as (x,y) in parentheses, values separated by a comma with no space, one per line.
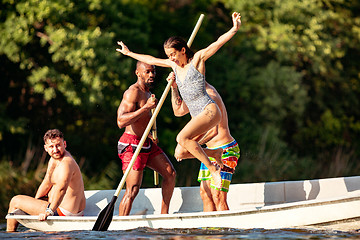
(205,193)
(169,174)
(219,197)
(132,192)
(15,202)
(172,174)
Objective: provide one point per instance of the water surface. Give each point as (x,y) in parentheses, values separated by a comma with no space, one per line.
(175,234)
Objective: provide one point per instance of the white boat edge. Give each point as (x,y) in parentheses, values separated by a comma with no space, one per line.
(336,199)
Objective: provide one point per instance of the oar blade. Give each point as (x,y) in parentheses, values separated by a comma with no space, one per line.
(104,219)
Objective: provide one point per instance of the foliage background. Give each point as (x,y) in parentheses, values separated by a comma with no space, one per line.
(290,80)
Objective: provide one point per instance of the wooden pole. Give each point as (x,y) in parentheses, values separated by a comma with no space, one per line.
(154,133)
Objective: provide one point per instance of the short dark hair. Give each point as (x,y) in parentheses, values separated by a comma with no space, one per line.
(52,134)
(178,43)
(138,64)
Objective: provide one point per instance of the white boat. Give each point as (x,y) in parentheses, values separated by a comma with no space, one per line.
(270,205)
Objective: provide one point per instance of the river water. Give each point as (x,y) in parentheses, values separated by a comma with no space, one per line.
(175,234)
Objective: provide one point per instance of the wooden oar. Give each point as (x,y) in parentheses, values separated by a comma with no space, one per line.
(154,133)
(105,217)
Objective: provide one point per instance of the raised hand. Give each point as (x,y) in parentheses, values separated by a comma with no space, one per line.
(236,20)
(124,49)
(172,77)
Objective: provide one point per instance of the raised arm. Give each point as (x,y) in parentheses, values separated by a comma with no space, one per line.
(179,107)
(206,53)
(144,58)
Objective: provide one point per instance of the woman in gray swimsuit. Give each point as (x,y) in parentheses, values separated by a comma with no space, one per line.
(189,69)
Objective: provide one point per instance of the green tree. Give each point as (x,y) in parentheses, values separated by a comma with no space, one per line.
(320,39)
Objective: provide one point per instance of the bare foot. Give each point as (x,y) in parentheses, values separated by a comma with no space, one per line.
(218,157)
(217,178)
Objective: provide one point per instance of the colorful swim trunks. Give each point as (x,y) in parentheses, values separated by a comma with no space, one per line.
(127,146)
(230,156)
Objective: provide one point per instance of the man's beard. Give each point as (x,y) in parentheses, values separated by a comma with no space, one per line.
(59,155)
(150,85)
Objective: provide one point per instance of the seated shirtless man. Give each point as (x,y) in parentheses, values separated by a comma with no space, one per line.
(62,186)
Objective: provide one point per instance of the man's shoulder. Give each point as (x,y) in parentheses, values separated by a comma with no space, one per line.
(134,90)
(68,160)
(135,87)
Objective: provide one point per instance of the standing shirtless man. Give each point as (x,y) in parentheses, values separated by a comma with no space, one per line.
(218,141)
(62,185)
(134,114)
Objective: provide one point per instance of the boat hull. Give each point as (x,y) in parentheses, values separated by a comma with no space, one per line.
(266,216)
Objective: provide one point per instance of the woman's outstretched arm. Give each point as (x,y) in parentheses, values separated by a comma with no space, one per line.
(143,57)
(206,53)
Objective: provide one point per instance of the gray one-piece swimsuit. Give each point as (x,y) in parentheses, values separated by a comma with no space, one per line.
(193,91)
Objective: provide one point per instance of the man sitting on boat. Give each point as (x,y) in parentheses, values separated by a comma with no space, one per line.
(219,142)
(61,192)
(134,113)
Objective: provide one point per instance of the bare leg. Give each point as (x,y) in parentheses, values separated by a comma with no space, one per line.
(220,199)
(28,204)
(217,155)
(163,166)
(214,153)
(11,225)
(133,183)
(196,150)
(181,153)
(197,126)
(205,193)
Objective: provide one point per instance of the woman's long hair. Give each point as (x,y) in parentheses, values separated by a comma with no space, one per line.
(178,43)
